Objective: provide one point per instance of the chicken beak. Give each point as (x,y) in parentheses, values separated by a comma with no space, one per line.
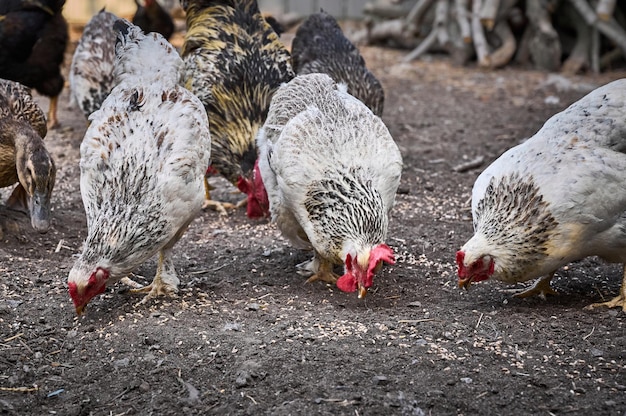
(362,291)
(80,310)
(465,283)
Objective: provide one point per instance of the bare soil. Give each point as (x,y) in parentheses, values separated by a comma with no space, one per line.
(248,336)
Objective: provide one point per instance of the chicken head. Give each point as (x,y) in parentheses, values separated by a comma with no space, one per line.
(82,291)
(361,268)
(258,203)
(477,270)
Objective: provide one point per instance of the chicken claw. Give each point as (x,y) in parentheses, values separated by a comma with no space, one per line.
(218,206)
(328,277)
(165,282)
(321,269)
(130,282)
(613,303)
(619,300)
(157,288)
(541,287)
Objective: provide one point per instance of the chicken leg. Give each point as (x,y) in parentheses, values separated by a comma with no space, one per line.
(165,281)
(52,113)
(619,300)
(324,272)
(218,206)
(541,287)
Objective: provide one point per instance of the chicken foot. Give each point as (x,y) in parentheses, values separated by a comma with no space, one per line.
(324,272)
(541,287)
(619,300)
(218,206)
(165,281)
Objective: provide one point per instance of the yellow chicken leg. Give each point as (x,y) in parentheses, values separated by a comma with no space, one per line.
(541,287)
(52,113)
(619,300)
(324,273)
(165,281)
(218,206)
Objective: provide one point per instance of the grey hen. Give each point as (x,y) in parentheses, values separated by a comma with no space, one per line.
(320,46)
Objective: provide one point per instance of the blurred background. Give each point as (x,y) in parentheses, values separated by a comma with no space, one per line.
(80,11)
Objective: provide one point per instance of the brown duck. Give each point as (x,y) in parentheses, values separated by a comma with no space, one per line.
(23,156)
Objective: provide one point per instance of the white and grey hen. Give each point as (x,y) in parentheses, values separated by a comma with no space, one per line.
(91,73)
(556,198)
(331,170)
(142,164)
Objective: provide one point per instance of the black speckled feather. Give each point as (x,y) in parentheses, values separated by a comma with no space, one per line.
(320,46)
(91,72)
(234,62)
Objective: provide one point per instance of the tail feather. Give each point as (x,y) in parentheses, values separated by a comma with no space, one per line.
(249,6)
(122,26)
(144,56)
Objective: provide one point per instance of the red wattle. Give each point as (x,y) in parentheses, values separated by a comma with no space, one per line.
(347,283)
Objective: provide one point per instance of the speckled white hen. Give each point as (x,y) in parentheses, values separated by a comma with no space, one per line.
(142,164)
(91,72)
(556,198)
(331,170)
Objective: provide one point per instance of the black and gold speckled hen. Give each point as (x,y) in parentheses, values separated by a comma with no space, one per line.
(234,62)
(321,47)
(23,156)
(33,37)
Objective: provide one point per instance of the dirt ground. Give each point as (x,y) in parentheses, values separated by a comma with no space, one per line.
(248,336)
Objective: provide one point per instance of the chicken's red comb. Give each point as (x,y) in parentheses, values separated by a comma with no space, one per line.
(381,252)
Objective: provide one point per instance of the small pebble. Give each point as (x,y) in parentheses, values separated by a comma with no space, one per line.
(232,326)
(380,380)
(596,352)
(121,363)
